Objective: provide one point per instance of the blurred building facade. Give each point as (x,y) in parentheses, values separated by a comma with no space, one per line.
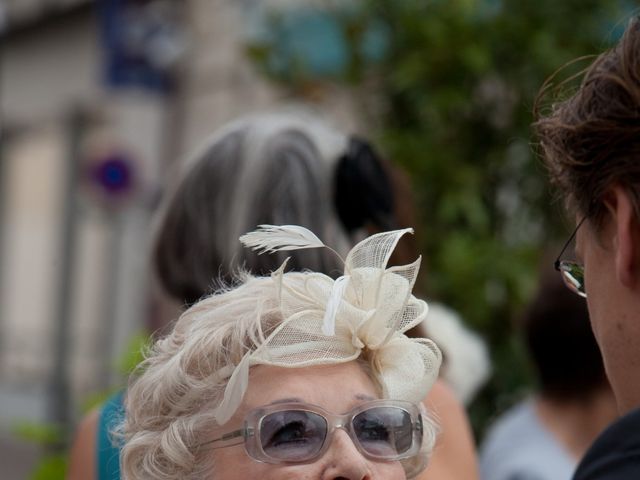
(86,150)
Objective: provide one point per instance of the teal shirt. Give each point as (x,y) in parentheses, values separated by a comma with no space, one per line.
(108,450)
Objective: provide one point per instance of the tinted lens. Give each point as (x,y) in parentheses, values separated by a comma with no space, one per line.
(573,276)
(292,435)
(384,431)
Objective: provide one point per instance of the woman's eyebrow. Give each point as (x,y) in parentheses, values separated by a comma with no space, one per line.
(362,396)
(357,396)
(287,400)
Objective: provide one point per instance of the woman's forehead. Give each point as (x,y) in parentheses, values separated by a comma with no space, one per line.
(341,385)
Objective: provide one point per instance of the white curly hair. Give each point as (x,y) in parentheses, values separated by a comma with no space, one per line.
(171,400)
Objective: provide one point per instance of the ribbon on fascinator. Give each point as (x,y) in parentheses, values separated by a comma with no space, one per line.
(365,311)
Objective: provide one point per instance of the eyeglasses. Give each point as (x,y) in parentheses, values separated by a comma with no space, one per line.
(572,272)
(297,433)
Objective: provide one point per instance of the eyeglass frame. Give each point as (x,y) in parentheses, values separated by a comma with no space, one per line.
(249,434)
(568,269)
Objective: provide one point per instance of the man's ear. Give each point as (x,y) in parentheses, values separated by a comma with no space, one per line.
(627,236)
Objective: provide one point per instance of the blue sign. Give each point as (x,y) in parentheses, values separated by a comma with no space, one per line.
(113,175)
(141,42)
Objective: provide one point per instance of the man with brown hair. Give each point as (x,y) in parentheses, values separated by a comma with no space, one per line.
(591,144)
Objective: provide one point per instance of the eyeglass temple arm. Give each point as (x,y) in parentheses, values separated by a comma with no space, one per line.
(556,264)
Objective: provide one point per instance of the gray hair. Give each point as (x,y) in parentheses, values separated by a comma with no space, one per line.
(273,168)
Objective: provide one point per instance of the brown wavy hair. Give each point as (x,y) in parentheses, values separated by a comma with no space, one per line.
(592,139)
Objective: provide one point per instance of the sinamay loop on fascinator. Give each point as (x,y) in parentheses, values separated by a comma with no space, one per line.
(328,321)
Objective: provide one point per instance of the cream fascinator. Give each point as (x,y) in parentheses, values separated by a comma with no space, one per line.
(364,312)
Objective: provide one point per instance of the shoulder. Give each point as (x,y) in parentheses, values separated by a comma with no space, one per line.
(108,446)
(93,453)
(448,411)
(520,417)
(615,455)
(454,456)
(517,448)
(82,465)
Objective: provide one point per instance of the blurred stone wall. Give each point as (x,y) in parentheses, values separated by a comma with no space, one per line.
(51,67)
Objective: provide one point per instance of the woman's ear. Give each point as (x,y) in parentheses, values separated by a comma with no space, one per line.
(627,237)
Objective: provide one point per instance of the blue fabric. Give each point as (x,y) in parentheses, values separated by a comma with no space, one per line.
(108,454)
(519,447)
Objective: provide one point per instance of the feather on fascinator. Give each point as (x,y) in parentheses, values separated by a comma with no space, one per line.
(325,322)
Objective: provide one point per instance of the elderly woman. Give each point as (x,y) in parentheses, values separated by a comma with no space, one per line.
(290,376)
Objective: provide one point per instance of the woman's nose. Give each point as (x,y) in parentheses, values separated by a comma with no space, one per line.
(344,461)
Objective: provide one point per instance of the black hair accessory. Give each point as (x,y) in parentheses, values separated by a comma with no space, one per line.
(363,189)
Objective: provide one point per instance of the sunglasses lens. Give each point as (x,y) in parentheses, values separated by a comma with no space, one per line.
(573,276)
(384,432)
(292,435)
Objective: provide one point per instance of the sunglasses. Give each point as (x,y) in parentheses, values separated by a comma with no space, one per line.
(298,433)
(572,272)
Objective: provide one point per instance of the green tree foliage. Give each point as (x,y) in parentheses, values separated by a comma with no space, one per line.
(452,101)
(53,463)
(460,84)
